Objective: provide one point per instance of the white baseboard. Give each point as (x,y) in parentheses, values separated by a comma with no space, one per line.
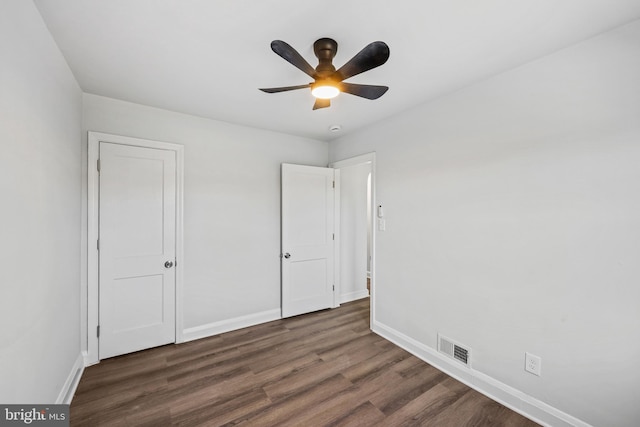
(508,396)
(352,296)
(228,325)
(71,384)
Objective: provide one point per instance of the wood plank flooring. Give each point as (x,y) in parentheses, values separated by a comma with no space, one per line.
(320,369)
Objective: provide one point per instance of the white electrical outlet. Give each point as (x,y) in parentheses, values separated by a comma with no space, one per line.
(533,364)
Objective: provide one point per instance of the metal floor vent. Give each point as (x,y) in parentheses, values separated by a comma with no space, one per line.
(454,350)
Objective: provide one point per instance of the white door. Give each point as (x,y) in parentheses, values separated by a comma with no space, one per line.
(307,239)
(137,232)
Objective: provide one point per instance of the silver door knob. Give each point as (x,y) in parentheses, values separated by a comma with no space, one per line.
(168,264)
(287,255)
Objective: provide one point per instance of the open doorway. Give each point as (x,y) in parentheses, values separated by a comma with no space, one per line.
(355,255)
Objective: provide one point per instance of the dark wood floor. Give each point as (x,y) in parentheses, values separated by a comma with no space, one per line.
(320,369)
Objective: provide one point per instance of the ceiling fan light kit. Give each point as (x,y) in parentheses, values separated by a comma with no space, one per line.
(328,82)
(324,90)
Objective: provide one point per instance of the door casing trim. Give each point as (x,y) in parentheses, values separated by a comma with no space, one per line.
(93,180)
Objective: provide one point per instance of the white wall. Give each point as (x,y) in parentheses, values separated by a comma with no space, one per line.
(40,125)
(513,225)
(232,204)
(353,232)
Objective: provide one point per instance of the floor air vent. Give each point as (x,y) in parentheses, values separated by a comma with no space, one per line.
(454,350)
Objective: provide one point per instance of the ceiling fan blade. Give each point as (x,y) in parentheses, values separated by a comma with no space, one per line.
(284,89)
(321,103)
(292,56)
(364,91)
(373,55)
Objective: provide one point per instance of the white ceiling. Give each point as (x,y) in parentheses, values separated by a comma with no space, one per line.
(208,58)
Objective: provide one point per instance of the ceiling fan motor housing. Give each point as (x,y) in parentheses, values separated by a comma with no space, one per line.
(325,50)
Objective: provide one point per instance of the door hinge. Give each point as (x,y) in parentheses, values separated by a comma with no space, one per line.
(333,236)
(175,262)
(98,244)
(98,165)
(98,331)
(334,184)
(334,287)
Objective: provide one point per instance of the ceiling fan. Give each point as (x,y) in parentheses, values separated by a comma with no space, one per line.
(329,82)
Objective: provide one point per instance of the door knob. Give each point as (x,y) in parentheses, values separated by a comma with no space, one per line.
(287,255)
(168,264)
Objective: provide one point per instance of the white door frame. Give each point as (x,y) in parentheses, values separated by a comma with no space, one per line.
(93,198)
(354,161)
